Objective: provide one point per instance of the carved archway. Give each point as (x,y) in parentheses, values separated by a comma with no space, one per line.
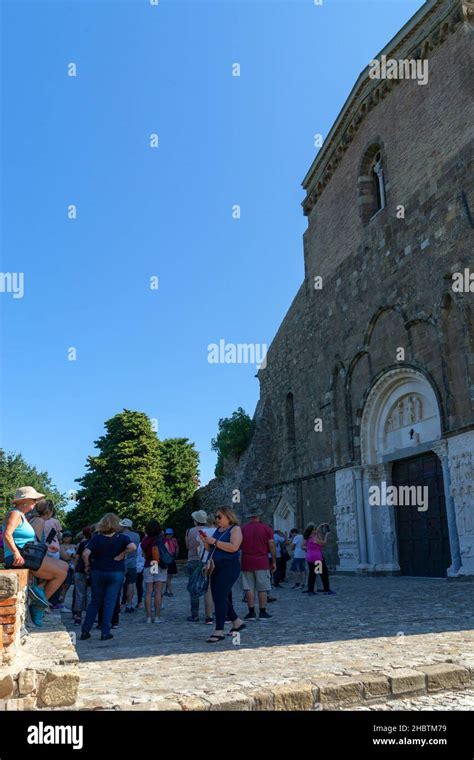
(401,411)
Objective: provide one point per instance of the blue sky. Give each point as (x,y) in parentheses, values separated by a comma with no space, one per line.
(165,211)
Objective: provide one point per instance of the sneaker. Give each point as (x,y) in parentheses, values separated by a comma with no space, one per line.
(250,616)
(85,636)
(167,593)
(37,595)
(158,620)
(329,593)
(106,638)
(297,585)
(114,627)
(264,616)
(272,599)
(305,591)
(128,610)
(311,593)
(139,606)
(36,615)
(192,619)
(149,620)
(210,621)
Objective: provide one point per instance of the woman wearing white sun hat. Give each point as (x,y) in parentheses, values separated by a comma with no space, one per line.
(16,533)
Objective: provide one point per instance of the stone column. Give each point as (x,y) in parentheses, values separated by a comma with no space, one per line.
(441,451)
(460,467)
(361,527)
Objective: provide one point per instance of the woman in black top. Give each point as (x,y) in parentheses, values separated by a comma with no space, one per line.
(107,550)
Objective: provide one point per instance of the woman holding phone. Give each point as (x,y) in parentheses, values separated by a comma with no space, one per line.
(224,553)
(316,539)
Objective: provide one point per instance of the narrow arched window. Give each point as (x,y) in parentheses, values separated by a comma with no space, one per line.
(290,422)
(371,183)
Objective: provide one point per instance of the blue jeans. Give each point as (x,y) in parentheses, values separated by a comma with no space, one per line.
(105,589)
(225,574)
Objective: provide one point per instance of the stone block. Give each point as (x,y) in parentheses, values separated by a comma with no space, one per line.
(6,611)
(405,680)
(340,690)
(445,676)
(7,687)
(234,700)
(25,703)
(27,682)
(7,619)
(8,584)
(10,601)
(297,696)
(58,689)
(263,700)
(375,686)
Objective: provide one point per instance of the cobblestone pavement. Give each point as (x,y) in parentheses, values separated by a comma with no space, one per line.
(372,625)
(446,700)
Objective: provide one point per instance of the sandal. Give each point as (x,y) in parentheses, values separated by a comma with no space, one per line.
(214,639)
(236,630)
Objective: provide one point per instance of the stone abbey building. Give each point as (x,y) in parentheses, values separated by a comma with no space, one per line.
(370,378)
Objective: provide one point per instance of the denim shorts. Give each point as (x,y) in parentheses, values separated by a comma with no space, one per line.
(298,565)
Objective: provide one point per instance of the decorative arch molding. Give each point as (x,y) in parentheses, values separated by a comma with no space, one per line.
(375,318)
(401,410)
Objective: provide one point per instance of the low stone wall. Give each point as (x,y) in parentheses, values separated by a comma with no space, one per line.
(38,666)
(13,610)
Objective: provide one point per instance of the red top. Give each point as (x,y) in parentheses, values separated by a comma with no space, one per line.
(147,547)
(255,547)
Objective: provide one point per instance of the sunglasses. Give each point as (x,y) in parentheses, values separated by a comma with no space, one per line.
(218,517)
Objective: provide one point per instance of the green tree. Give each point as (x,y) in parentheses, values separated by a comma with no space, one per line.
(126,475)
(180,462)
(15,472)
(233,438)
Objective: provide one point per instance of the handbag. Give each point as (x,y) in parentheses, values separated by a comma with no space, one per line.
(198,582)
(33,552)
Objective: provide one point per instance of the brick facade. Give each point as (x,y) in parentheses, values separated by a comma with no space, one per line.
(386,286)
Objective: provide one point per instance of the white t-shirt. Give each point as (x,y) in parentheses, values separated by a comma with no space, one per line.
(299,553)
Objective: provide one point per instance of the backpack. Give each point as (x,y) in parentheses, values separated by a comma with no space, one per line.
(161,554)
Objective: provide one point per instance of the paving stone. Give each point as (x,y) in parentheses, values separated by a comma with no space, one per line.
(307,641)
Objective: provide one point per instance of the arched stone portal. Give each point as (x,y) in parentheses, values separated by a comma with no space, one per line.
(400,421)
(284,516)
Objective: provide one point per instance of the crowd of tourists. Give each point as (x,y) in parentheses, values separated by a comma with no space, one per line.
(114,568)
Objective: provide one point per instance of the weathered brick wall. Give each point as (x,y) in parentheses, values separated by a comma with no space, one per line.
(13,591)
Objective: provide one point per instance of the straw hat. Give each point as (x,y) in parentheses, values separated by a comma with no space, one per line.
(27,492)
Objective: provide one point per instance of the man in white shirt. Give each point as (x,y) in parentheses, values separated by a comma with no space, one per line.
(298,563)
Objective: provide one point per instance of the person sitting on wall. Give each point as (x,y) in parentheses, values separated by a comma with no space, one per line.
(17,532)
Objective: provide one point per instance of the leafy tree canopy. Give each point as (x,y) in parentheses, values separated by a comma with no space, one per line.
(233,437)
(15,472)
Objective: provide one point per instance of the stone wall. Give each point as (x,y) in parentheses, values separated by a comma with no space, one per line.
(13,591)
(38,668)
(386,286)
